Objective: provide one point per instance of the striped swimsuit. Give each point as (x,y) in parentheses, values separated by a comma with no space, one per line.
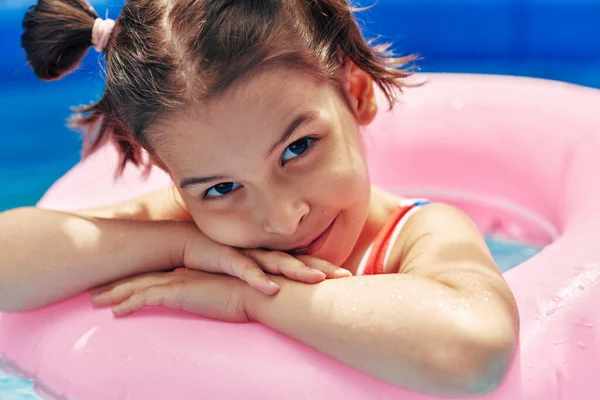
(377,255)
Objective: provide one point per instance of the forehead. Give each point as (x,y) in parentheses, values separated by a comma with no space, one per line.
(249,116)
(272,91)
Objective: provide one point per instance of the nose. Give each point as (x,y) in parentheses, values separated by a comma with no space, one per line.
(283,213)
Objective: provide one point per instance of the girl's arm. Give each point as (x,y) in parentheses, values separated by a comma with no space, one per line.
(47,256)
(446,325)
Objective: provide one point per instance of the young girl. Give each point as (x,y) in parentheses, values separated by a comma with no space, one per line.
(254,108)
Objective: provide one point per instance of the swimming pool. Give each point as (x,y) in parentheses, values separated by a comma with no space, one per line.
(37,148)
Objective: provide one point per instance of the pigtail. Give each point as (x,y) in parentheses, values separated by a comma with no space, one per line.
(57,34)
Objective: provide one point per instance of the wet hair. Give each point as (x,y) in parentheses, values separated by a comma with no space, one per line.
(165,54)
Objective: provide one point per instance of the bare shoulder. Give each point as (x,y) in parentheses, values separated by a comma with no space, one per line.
(442,233)
(167,204)
(441,242)
(162,204)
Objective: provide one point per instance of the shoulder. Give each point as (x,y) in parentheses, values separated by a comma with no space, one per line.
(442,243)
(441,219)
(439,233)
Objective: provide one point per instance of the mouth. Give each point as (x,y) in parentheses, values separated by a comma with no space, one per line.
(315,244)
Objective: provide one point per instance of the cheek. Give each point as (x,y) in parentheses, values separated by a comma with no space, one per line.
(347,177)
(347,186)
(228,228)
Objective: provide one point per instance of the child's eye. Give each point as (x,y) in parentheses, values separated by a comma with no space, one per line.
(297,148)
(221,190)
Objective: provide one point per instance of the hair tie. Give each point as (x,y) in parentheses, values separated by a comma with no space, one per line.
(101,33)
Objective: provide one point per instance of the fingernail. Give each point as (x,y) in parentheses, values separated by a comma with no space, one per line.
(272,288)
(342,272)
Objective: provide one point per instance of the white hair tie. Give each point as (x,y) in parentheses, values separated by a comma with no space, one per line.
(101,33)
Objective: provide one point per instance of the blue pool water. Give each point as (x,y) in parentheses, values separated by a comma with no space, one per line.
(507,255)
(13,388)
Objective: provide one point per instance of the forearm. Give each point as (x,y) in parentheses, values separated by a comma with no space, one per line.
(406,330)
(48,256)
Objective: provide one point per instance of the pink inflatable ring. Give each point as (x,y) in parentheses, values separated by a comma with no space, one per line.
(521,156)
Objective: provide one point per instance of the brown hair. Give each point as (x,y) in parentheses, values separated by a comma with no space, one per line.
(164,54)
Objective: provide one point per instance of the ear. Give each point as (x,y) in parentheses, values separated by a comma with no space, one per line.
(359,88)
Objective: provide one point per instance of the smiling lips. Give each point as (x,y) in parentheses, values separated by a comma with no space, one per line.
(315,244)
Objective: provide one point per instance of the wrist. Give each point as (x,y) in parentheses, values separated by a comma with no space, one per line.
(254,302)
(258,304)
(263,308)
(181,235)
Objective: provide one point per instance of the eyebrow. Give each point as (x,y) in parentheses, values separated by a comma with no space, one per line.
(291,128)
(199,181)
(300,120)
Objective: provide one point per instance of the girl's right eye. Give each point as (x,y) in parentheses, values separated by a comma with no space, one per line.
(221,190)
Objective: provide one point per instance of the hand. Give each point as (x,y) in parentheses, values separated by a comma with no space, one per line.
(201,253)
(207,295)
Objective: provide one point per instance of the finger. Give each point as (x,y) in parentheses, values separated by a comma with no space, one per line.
(120,291)
(244,267)
(280,263)
(218,258)
(330,270)
(105,287)
(168,295)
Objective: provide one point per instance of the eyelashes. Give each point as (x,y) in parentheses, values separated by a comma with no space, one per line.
(296,149)
(222,189)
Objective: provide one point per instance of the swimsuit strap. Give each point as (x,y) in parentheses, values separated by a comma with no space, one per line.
(379,252)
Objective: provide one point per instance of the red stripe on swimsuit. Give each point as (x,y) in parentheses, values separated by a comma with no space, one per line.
(379,250)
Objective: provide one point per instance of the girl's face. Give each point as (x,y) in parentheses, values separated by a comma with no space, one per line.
(276,163)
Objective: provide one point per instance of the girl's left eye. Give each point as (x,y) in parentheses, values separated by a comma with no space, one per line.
(221,190)
(296,149)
